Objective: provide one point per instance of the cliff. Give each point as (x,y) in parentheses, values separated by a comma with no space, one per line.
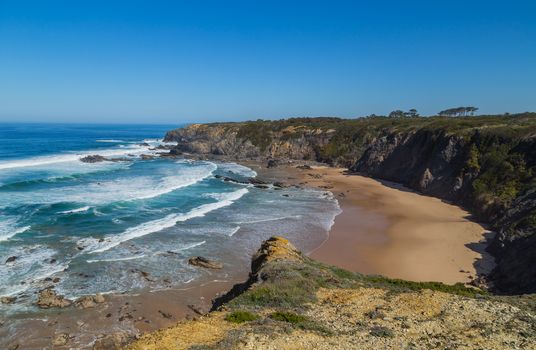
(293,302)
(486,164)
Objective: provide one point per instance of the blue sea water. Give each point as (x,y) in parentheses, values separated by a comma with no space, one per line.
(104,227)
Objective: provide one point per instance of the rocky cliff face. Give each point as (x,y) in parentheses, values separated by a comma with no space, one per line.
(488,170)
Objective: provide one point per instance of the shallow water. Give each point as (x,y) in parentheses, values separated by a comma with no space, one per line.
(97,227)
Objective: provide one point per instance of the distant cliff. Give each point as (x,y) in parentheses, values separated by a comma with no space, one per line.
(486,164)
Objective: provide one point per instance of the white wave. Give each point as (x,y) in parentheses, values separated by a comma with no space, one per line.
(110,141)
(8,228)
(237,169)
(77,210)
(116,259)
(127,188)
(235,230)
(270,219)
(70,157)
(32,266)
(96,246)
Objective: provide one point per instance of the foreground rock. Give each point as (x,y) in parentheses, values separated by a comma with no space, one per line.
(47,298)
(204,262)
(293,302)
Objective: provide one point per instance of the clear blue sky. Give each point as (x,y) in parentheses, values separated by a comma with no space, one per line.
(184,61)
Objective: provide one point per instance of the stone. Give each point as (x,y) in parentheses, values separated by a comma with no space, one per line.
(113,341)
(204,262)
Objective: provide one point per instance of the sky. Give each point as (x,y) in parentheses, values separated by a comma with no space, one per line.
(198,61)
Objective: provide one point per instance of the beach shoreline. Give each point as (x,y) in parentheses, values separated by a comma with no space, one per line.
(387,229)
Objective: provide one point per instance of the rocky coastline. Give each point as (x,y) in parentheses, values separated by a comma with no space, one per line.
(424,154)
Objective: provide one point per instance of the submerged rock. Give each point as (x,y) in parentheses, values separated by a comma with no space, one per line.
(48,298)
(204,262)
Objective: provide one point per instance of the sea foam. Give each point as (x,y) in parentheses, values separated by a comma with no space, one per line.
(96,246)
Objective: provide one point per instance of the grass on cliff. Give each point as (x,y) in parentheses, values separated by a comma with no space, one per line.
(291,285)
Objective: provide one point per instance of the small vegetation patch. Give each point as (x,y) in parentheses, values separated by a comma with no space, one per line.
(289,317)
(458,288)
(241,317)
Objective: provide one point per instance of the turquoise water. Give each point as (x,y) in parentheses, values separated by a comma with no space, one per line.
(94,227)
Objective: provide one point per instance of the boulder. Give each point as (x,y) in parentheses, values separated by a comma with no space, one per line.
(204,262)
(48,298)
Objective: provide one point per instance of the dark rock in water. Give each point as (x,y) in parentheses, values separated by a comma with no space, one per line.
(89,301)
(175,152)
(48,298)
(7,300)
(280,184)
(11,259)
(95,158)
(255,181)
(304,167)
(217,176)
(272,163)
(286,195)
(52,261)
(147,157)
(261,186)
(144,144)
(55,280)
(204,262)
(79,248)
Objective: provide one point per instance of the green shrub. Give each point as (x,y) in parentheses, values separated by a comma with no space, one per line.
(241,316)
(287,317)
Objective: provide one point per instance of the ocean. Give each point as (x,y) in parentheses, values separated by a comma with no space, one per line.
(103,227)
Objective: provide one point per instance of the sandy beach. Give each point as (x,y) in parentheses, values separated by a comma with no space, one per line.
(389,230)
